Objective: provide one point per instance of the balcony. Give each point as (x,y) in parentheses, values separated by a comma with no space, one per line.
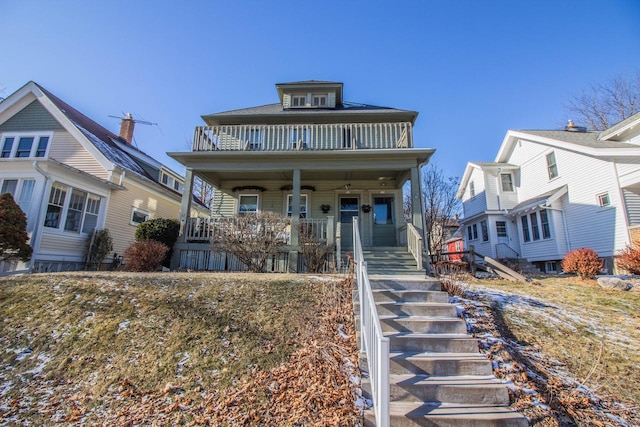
(295,137)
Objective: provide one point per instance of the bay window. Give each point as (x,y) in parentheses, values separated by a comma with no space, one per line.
(72,209)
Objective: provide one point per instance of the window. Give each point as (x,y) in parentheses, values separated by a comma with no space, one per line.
(26,146)
(303,205)
(552,167)
(247,204)
(383,210)
(506,179)
(138,216)
(74,211)
(78,208)
(56,204)
(485,231)
(474,227)
(298,100)
(91,214)
(7,147)
(501,228)
(472,189)
(525,229)
(544,222)
(469,233)
(551,267)
(9,186)
(535,230)
(319,100)
(458,245)
(603,199)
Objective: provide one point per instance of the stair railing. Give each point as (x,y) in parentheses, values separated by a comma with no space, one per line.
(372,341)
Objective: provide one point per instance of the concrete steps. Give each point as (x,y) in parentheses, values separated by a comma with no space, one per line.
(437,375)
(390,260)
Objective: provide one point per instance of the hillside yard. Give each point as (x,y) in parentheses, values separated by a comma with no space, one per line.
(163,349)
(568,350)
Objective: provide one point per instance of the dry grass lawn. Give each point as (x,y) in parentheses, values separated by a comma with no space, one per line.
(220,349)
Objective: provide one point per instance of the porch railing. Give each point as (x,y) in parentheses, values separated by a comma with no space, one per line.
(505,251)
(415,244)
(372,341)
(292,137)
(207,230)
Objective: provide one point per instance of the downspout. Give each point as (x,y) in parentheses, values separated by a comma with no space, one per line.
(36,235)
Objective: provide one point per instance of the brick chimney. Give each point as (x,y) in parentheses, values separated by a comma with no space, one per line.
(126,128)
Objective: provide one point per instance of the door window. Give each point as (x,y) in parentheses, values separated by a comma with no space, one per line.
(383,210)
(348,208)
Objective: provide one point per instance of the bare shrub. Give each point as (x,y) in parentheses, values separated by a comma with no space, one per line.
(452,275)
(252,238)
(145,255)
(314,251)
(629,260)
(584,262)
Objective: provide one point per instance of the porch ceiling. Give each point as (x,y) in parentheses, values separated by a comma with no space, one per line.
(219,166)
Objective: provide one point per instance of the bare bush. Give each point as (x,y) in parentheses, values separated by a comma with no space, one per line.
(315,252)
(145,255)
(584,262)
(629,260)
(252,238)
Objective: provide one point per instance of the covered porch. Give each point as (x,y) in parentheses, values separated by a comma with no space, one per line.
(320,190)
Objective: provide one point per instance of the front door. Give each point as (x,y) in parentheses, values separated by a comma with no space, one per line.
(384,228)
(503,250)
(349,206)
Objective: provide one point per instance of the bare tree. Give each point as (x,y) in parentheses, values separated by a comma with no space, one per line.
(252,238)
(603,105)
(440,205)
(201,188)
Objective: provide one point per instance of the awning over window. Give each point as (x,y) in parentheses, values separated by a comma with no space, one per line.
(545,199)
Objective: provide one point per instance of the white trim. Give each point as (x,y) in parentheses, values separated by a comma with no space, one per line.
(34,147)
(257,195)
(306,204)
(138,210)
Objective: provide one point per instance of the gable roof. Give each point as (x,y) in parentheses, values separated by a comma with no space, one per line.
(100,140)
(627,124)
(482,166)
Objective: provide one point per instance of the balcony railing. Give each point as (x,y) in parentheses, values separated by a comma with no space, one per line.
(339,136)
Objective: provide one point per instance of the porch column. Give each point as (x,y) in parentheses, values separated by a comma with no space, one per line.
(295,221)
(417,209)
(185,206)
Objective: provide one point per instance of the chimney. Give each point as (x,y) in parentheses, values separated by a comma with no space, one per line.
(126,128)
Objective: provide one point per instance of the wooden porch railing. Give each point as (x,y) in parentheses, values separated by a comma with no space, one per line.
(207,230)
(415,244)
(292,137)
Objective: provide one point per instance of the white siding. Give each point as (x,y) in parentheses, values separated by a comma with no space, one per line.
(478,204)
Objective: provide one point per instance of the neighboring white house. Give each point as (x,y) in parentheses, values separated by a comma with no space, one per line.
(551,191)
(70,176)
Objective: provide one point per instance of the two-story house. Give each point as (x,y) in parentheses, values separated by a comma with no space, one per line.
(314,157)
(551,191)
(70,176)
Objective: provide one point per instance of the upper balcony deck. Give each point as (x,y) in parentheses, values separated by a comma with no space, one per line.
(292,137)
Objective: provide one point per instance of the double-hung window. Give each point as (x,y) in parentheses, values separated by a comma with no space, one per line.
(21,190)
(544,222)
(552,166)
(248,204)
(472,190)
(485,231)
(72,210)
(298,100)
(525,228)
(21,145)
(303,205)
(319,100)
(506,179)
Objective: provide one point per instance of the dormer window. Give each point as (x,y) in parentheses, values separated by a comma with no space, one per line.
(172,182)
(319,100)
(298,100)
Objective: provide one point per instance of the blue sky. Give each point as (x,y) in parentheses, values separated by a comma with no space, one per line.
(472,69)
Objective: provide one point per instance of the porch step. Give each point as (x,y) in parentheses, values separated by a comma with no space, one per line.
(396,283)
(435,343)
(436,364)
(390,260)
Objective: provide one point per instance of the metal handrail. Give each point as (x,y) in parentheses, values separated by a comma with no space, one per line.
(372,341)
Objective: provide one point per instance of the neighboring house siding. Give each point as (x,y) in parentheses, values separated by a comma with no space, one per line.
(60,244)
(66,149)
(34,117)
(632,202)
(121,204)
(224,205)
(478,204)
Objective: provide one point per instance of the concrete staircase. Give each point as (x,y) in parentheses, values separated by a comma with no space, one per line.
(437,375)
(390,260)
